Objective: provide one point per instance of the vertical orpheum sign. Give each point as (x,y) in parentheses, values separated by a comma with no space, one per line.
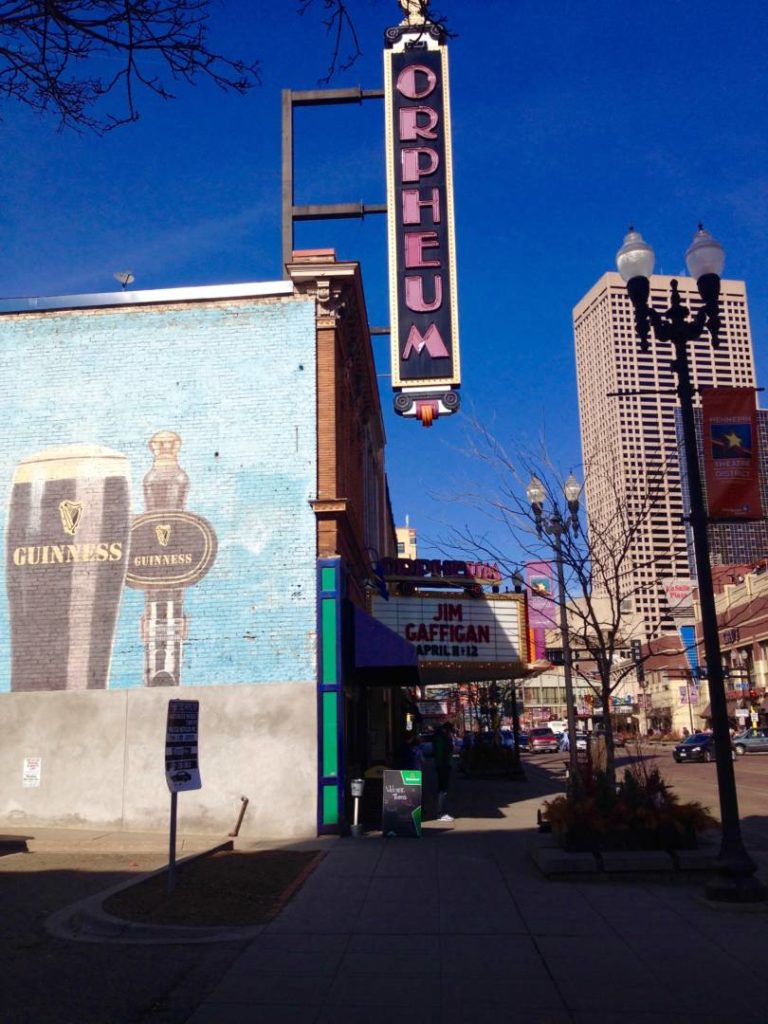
(422,263)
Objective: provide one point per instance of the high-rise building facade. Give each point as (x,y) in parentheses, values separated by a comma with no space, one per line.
(406,540)
(627,405)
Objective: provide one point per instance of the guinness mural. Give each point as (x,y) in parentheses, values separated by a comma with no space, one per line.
(155,507)
(71,549)
(170,549)
(67,546)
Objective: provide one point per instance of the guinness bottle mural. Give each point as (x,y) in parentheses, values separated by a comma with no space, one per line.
(171,549)
(66,560)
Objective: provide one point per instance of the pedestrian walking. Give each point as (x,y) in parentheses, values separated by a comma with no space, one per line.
(442,749)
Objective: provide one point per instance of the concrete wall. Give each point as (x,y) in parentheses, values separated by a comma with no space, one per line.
(234,380)
(102,760)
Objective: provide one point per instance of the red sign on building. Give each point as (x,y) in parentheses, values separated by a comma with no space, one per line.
(422,269)
(731,462)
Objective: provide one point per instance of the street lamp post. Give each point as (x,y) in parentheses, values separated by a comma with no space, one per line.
(556,527)
(735,881)
(516,771)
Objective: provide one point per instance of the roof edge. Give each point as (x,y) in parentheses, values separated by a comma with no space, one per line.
(106,300)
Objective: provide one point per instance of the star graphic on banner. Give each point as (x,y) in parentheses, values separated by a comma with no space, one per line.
(734,441)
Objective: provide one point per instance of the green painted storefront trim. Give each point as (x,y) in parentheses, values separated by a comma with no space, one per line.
(330,805)
(330,674)
(330,697)
(330,734)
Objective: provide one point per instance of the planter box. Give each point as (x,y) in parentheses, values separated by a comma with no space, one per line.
(583,840)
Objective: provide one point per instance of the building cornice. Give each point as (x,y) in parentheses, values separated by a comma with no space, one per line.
(158,296)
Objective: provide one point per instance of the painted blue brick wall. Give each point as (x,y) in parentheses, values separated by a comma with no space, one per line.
(237,381)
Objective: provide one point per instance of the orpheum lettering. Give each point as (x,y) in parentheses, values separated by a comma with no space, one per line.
(438,569)
(424,344)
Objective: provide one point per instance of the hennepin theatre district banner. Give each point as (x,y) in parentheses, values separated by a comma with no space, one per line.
(731,455)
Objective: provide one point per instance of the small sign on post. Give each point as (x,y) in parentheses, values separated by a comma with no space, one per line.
(182,769)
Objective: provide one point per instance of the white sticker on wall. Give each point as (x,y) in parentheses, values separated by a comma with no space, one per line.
(31,774)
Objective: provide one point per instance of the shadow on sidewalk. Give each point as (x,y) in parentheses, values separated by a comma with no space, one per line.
(487,797)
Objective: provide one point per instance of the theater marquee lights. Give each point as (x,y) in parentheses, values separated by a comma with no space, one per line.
(422,263)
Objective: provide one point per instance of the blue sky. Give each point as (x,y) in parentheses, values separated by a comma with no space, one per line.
(570,120)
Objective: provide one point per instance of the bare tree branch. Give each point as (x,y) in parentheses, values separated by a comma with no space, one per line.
(606,564)
(50,51)
(44,45)
(340,26)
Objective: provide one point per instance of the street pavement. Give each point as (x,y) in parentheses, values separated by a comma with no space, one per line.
(457,926)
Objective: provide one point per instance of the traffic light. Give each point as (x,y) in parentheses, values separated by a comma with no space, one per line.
(753,694)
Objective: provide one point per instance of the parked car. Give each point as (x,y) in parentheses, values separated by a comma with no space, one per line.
(542,740)
(507,737)
(619,740)
(698,747)
(750,741)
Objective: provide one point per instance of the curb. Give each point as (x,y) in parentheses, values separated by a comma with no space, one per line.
(552,860)
(87,921)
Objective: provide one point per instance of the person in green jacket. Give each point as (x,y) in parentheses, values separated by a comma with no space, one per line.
(442,748)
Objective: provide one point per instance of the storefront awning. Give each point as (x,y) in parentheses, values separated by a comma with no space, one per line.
(435,673)
(380,657)
(730,707)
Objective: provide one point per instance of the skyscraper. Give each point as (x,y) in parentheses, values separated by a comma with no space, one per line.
(629,442)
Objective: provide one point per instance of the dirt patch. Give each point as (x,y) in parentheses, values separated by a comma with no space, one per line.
(224,888)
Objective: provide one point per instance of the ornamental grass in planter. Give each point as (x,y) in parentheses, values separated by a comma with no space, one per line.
(640,813)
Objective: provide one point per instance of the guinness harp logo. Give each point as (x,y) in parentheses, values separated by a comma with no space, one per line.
(71,513)
(163,534)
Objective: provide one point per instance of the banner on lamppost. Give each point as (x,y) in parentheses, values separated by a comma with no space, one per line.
(542,611)
(689,694)
(731,460)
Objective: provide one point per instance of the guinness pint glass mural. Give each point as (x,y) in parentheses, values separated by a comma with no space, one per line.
(66,560)
(422,257)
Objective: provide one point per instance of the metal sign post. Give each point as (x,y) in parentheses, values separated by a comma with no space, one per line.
(182,769)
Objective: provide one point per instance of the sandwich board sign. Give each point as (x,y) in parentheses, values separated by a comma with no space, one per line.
(182,768)
(401,806)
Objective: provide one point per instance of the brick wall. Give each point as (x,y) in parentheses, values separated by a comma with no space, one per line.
(235,379)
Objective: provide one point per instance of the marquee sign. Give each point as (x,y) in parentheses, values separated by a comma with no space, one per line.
(422,263)
(438,571)
(450,628)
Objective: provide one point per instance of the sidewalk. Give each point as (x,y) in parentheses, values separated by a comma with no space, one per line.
(459,926)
